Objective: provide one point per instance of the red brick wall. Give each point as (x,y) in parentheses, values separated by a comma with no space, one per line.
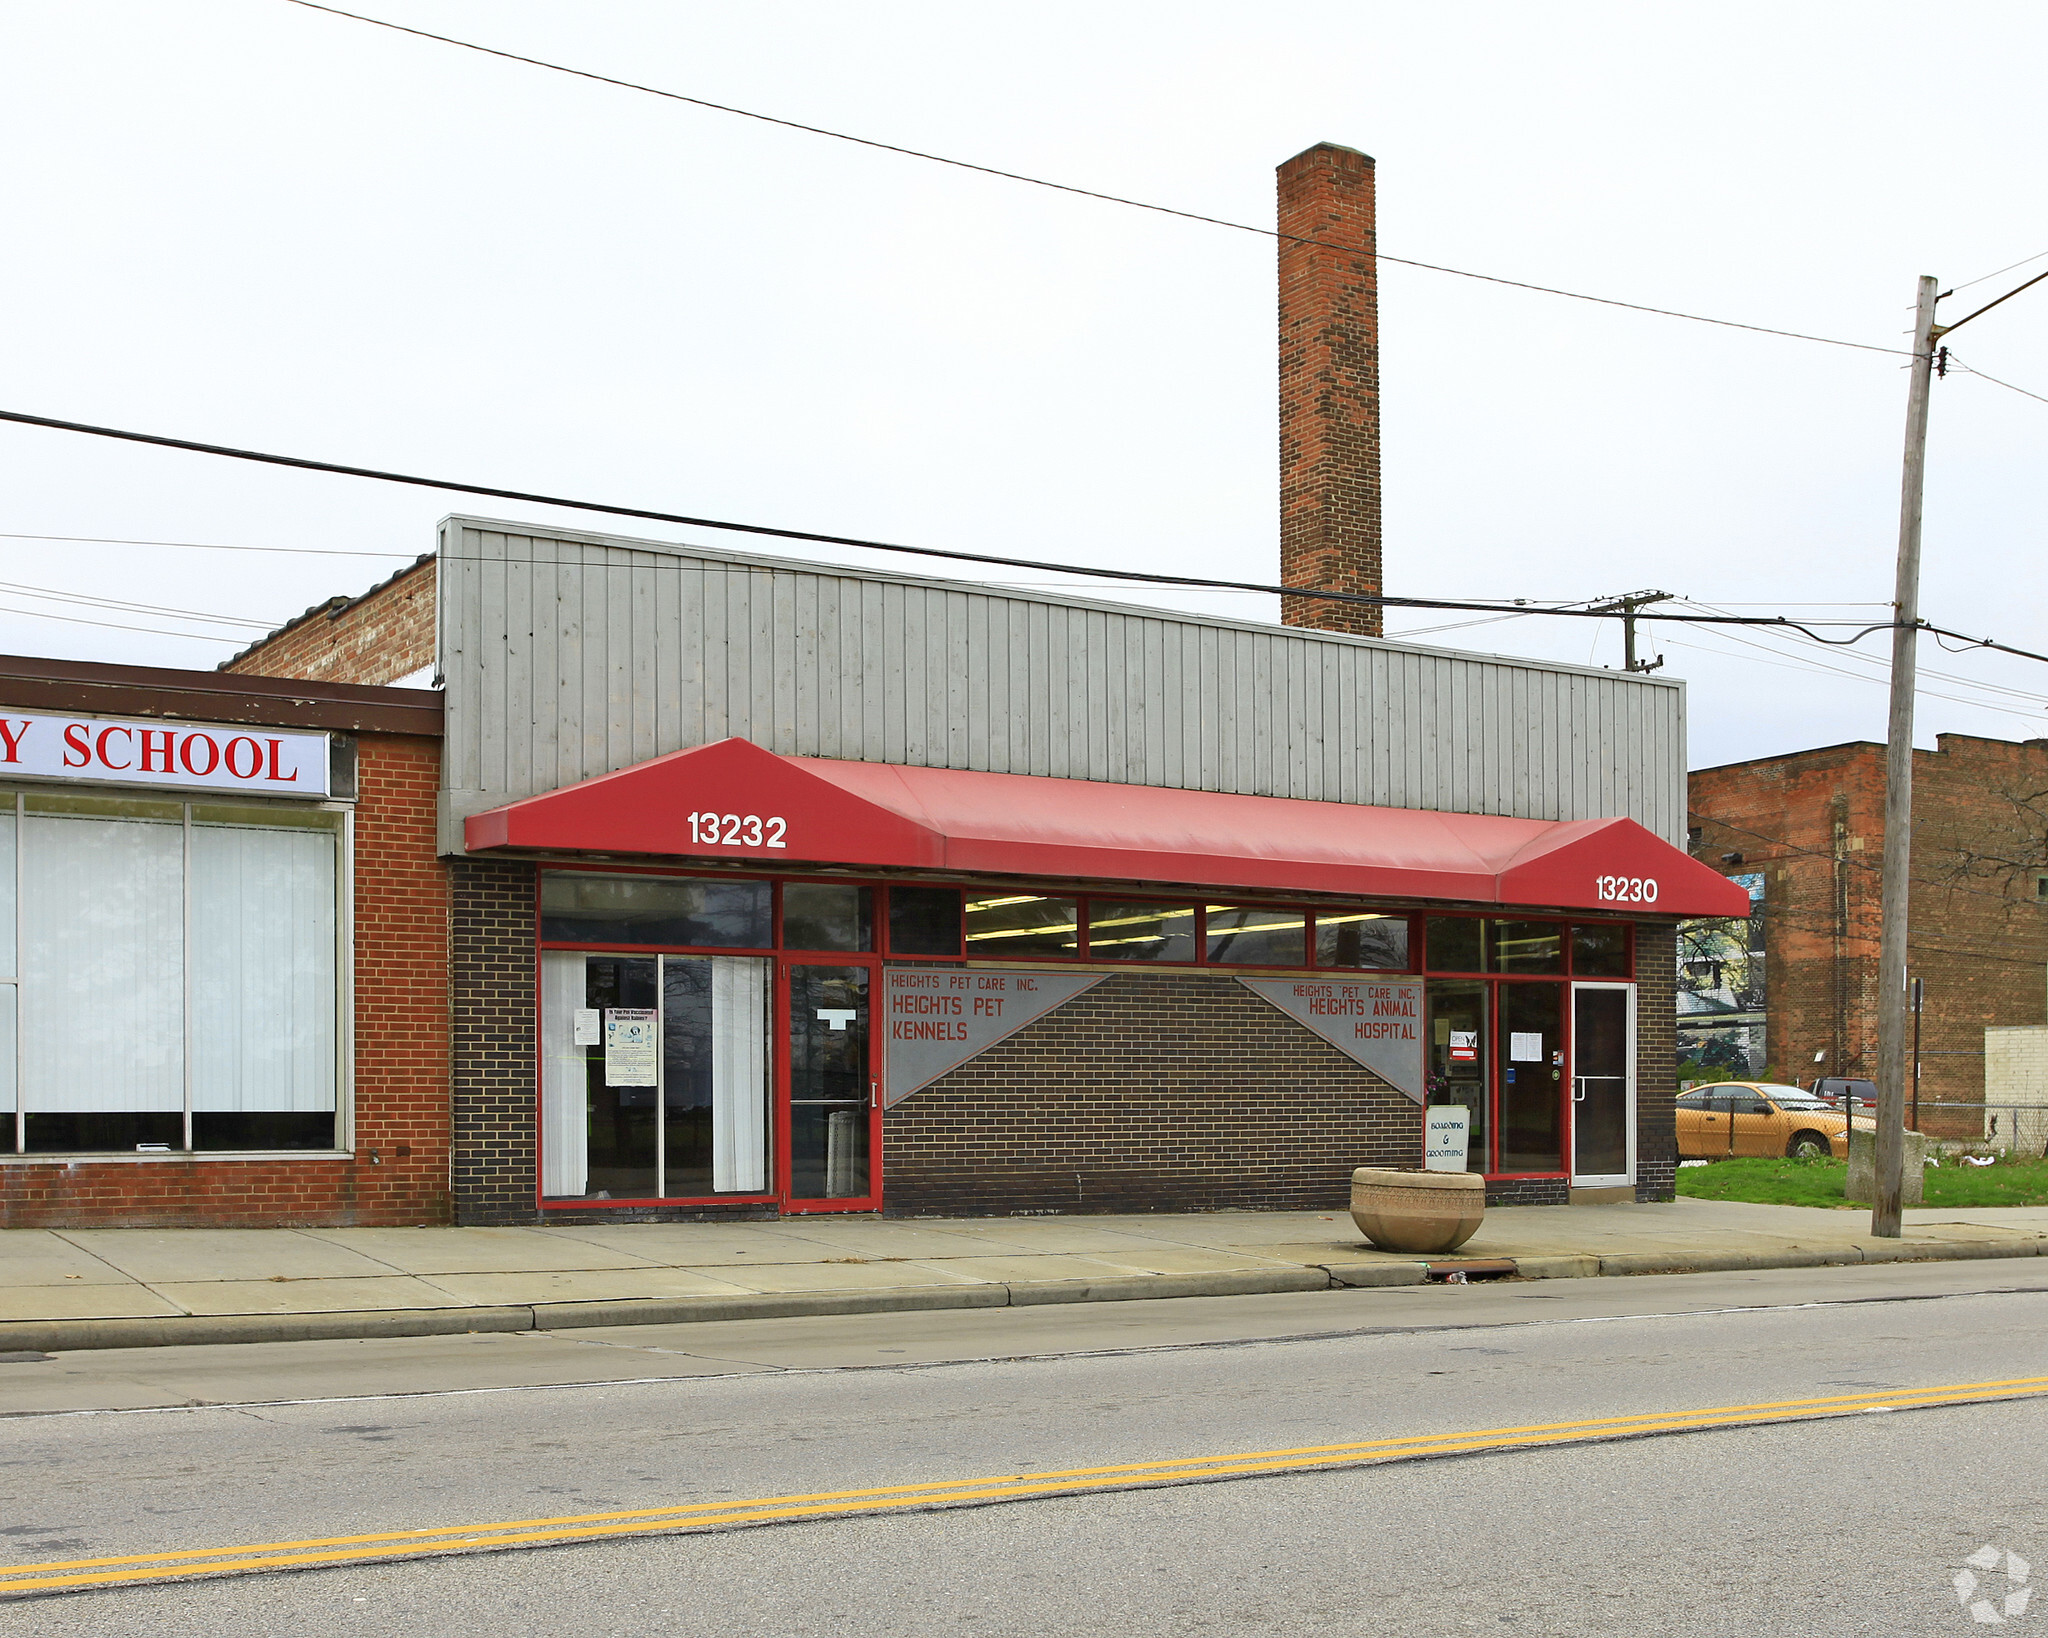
(1814,825)
(400,1171)
(1329,389)
(385,634)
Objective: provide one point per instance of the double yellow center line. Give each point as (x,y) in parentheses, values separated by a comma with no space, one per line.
(277,1555)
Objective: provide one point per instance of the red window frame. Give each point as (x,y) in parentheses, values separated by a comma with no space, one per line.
(1419,965)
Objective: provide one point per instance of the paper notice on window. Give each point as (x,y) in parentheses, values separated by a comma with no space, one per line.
(629,1046)
(1525,1049)
(586,1027)
(1464,1046)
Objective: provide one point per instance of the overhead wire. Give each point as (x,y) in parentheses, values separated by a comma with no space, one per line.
(109,625)
(206,545)
(1985,278)
(1805,627)
(1080,192)
(120,606)
(1875,660)
(1971,369)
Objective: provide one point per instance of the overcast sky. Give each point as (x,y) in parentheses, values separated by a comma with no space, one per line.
(244,222)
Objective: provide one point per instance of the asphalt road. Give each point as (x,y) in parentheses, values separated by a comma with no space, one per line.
(1854,1524)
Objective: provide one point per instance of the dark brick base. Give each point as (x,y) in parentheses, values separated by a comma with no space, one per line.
(1529,1191)
(493,965)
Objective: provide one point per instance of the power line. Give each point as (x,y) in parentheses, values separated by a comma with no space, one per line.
(122,607)
(1805,627)
(1079,192)
(109,625)
(207,546)
(1871,659)
(452,486)
(1969,369)
(1789,663)
(1985,278)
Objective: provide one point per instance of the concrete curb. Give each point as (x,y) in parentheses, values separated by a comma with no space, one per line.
(198,1330)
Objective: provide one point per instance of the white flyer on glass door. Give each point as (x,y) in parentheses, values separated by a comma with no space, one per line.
(585,1027)
(1525,1049)
(629,1044)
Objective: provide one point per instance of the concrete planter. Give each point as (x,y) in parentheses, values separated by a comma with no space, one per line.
(1417,1211)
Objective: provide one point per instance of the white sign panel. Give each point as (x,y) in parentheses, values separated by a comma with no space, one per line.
(1377,1021)
(1525,1049)
(1447,1138)
(629,1045)
(262,761)
(934,1018)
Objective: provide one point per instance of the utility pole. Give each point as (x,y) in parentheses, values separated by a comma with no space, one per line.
(1898,790)
(1898,764)
(1626,606)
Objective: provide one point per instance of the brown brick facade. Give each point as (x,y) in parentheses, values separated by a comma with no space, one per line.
(1813,824)
(1167,1091)
(400,1171)
(1329,388)
(379,637)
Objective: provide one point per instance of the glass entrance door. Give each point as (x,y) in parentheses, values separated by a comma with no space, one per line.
(833,1095)
(1603,1084)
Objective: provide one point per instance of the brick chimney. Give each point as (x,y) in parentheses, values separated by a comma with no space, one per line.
(1329,389)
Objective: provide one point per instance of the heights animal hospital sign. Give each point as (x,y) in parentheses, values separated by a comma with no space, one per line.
(189,756)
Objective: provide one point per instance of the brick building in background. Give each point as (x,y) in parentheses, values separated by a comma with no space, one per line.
(1811,826)
(375,639)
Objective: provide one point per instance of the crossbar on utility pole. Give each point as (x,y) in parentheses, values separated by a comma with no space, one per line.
(1898,791)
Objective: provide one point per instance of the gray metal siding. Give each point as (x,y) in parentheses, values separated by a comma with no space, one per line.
(566,656)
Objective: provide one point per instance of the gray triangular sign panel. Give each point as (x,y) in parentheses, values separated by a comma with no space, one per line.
(1376,1021)
(935,1018)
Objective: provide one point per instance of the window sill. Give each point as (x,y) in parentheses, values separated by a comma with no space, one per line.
(113,1158)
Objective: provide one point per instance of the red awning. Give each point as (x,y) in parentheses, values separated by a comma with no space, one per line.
(734,801)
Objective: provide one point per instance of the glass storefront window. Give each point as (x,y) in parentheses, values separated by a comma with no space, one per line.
(1454,944)
(1022,924)
(1361,938)
(1525,947)
(1245,935)
(1119,931)
(1600,951)
(654,1076)
(176,978)
(827,916)
(1458,1055)
(1531,1077)
(924,921)
(585,907)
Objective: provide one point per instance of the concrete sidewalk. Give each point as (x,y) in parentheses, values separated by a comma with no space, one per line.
(109,1288)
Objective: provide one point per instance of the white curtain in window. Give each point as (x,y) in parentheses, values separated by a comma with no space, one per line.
(9,945)
(739,1074)
(263,969)
(103,958)
(9,1002)
(564,1077)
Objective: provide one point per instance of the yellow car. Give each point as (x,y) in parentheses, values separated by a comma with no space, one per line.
(1758,1118)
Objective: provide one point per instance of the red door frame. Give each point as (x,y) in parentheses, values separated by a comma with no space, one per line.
(790,1203)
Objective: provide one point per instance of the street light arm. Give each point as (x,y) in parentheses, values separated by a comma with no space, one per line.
(1941,330)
